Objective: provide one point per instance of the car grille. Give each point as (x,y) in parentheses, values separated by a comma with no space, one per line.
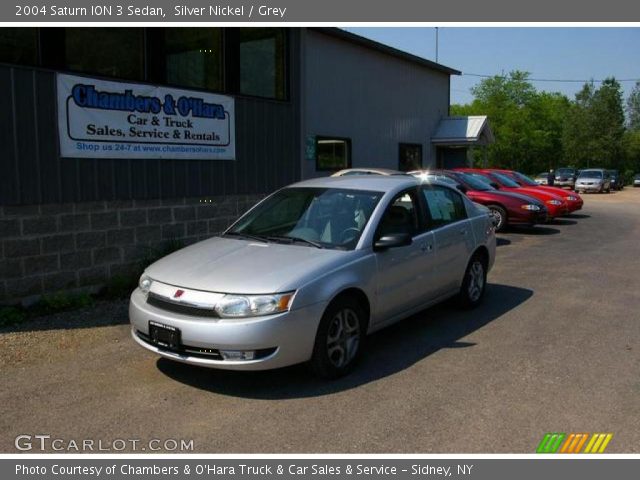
(163,304)
(209,353)
(199,352)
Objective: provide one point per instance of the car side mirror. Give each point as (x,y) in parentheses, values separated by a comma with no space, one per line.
(392,240)
(462,188)
(495,185)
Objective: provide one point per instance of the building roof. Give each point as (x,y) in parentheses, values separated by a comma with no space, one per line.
(386,49)
(472,130)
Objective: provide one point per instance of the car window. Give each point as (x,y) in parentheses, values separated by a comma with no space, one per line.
(329,217)
(401,216)
(444,206)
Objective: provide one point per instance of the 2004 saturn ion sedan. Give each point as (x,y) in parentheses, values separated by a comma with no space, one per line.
(312,269)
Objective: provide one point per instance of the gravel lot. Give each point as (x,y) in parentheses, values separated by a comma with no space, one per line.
(555,347)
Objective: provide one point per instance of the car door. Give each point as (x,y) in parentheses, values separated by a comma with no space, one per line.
(446,218)
(404,274)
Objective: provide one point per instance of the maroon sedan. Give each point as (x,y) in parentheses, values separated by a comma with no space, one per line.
(507,208)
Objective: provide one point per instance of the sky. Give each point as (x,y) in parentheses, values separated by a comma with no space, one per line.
(567,53)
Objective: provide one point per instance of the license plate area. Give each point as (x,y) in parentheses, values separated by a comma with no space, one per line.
(165,336)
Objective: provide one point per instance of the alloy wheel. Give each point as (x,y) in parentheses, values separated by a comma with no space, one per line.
(476,281)
(343,337)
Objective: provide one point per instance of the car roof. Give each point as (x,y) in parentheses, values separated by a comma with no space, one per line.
(378,183)
(367,171)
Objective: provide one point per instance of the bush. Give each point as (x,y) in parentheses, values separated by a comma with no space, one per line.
(62,301)
(11,316)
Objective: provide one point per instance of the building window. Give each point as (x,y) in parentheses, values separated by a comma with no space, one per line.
(262,62)
(19,45)
(112,52)
(410,157)
(333,153)
(193,57)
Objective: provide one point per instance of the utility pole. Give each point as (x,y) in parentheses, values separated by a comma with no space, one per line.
(436,44)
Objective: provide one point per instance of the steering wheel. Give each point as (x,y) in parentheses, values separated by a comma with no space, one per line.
(344,235)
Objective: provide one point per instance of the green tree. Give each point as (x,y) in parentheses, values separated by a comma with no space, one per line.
(633,108)
(527,124)
(594,129)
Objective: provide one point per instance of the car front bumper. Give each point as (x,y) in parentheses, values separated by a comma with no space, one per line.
(564,183)
(595,187)
(527,217)
(287,338)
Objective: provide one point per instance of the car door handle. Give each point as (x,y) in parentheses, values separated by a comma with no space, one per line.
(426,247)
(463,231)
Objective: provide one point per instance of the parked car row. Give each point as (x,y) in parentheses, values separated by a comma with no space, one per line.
(313,268)
(588,180)
(511,197)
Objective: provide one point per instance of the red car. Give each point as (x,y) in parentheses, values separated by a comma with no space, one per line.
(507,208)
(574,200)
(556,204)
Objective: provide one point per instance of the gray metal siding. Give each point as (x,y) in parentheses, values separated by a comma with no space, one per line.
(376,100)
(267,150)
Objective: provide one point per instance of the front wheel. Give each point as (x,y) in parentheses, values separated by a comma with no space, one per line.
(474,283)
(339,339)
(499,216)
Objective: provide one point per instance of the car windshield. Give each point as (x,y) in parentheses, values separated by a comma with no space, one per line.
(565,171)
(504,180)
(590,174)
(316,217)
(522,178)
(473,183)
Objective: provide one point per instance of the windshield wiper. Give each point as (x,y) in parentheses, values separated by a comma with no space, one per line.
(247,236)
(295,239)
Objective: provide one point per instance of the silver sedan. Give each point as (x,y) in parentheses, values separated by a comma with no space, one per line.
(310,270)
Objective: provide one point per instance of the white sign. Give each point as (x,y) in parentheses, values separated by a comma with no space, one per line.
(106,119)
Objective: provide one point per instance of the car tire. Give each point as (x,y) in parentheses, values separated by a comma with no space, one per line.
(340,338)
(499,215)
(474,282)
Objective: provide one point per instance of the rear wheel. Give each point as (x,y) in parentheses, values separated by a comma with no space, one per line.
(339,339)
(474,283)
(499,216)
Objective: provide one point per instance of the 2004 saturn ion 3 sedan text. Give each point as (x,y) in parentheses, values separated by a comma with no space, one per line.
(310,270)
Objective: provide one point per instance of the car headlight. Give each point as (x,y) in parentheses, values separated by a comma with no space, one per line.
(145,283)
(530,206)
(571,198)
(237,306)
(554,202)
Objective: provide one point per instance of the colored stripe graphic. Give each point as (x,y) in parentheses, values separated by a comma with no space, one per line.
(573,443)
(550,442)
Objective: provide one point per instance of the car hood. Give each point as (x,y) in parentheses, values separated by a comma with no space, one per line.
(503,194)
(589,180)
(538,193)
(228,265)
(557,191)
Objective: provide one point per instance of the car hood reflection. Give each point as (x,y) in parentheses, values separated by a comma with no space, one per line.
(243,266)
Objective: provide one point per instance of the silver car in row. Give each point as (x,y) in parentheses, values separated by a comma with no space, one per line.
(308,272)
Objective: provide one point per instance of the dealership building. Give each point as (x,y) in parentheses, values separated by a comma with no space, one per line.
(117,142)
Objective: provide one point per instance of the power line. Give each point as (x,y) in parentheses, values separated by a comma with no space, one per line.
(551,79)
